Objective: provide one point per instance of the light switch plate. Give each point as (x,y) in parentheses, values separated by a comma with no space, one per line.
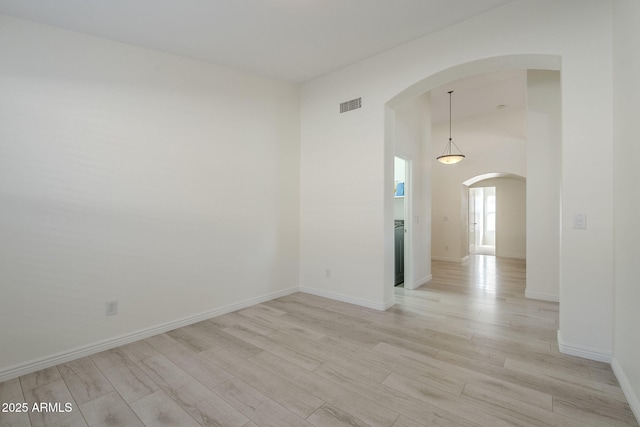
(580,221)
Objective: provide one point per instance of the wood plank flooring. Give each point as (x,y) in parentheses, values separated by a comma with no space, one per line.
(466,349)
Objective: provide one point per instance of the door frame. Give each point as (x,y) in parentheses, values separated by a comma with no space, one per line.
(408,222)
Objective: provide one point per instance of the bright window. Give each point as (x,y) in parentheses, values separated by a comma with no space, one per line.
(490,213)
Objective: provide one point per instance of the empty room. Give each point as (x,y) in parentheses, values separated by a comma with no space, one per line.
(275,213)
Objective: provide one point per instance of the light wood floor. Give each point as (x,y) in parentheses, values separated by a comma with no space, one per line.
(465,349)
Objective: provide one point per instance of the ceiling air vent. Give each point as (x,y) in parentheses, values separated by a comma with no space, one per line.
(354,104)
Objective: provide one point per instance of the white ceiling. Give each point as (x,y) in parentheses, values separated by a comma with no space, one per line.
(295,40)
(480,95)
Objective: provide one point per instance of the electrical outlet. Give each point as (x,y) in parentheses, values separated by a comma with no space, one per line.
(328,273)
(111,308)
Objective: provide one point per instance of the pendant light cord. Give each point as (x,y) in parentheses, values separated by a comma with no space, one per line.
(450,92)
(447,156)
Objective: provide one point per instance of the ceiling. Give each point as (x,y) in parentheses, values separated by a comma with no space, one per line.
(294,40)
(480,95)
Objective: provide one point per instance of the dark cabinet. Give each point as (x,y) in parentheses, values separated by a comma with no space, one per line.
(399,251)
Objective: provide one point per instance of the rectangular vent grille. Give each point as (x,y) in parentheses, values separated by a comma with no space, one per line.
(354,104)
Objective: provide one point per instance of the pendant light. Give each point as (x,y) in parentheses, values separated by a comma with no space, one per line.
(448,157)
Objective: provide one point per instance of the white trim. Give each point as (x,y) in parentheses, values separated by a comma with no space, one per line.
(419,282)
(348,299)
(582,351)
(460,260)
(543,297)
(87,350)
(387,305)
(625,385)
(523,258)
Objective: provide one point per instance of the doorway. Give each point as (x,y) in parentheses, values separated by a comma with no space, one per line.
(482,220)
(400,220)
(543,70)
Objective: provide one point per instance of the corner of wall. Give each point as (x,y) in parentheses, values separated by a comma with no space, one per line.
(582,351)
(625,385)
(541,296)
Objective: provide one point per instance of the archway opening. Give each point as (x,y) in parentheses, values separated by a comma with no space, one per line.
(422,90)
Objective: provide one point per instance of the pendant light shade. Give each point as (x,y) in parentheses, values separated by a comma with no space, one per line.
(449,156)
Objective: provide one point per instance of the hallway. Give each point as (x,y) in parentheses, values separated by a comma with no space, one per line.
(481,322)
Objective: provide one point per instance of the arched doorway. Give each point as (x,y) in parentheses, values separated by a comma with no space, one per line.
(497,215)
(502,63)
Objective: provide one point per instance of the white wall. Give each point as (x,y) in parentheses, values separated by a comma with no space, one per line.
(626,195)
(398,208)
(544,145)
(511,215)
(399,170)
(399,176)
(166,183)
(341,152)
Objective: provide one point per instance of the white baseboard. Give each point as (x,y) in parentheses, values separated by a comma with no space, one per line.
(389,304)
(419,282)
(625,385)
(348,299)
(424,280)
(460,260)
(522,258)
(582,351)
(543,297)
(87,350)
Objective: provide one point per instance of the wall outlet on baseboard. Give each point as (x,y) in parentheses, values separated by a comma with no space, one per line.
(111,308)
